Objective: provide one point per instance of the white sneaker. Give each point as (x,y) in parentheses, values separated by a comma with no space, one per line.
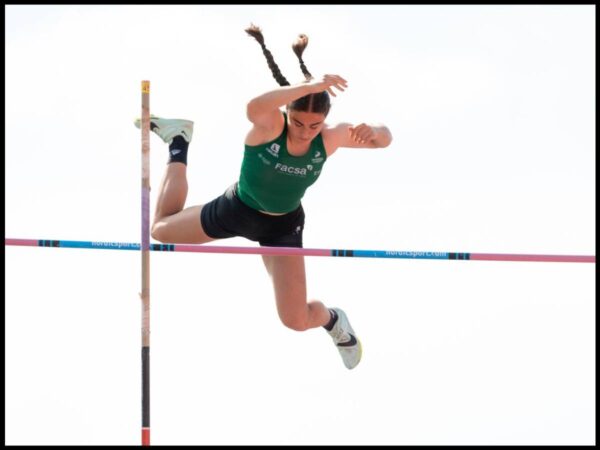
(167,129)
(345,340)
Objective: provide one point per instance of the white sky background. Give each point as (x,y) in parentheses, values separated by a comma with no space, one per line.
(492,113)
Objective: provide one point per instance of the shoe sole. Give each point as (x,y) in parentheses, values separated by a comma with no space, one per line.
(359,353)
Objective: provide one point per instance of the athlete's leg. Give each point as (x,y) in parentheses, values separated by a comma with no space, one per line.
(172,223)
(289,283)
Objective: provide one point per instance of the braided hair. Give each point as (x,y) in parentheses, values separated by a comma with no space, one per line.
(316,103)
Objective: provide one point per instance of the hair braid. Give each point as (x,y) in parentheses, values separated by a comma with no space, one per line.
(256,33)
(318,102)
(298,46)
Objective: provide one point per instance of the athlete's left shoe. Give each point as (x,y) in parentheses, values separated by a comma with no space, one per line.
(345,340)
(167,129)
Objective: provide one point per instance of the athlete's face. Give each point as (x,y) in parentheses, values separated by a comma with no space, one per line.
(303,127)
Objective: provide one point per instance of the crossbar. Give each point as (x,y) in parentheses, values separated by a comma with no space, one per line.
(293,251)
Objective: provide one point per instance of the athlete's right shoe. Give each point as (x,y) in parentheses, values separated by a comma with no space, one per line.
(167,129)
(345,340)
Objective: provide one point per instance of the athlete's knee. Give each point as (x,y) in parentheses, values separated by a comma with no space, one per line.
(296,322)
(158,232)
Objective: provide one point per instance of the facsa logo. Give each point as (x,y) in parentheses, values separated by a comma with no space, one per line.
(291,170)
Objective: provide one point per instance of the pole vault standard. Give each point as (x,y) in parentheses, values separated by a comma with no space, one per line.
(145,247)
(292,251)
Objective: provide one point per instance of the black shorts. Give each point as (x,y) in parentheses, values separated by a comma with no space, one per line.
(227,216)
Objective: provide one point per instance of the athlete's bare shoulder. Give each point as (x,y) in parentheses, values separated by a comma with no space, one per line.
(265,131)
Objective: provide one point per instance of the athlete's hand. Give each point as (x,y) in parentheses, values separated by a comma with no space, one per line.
(362,133)
(327,83)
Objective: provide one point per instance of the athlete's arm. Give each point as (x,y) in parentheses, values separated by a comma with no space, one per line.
(356,136)
(265,115)
(263,111)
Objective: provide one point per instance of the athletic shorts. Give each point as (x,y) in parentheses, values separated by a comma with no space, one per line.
(227,216)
